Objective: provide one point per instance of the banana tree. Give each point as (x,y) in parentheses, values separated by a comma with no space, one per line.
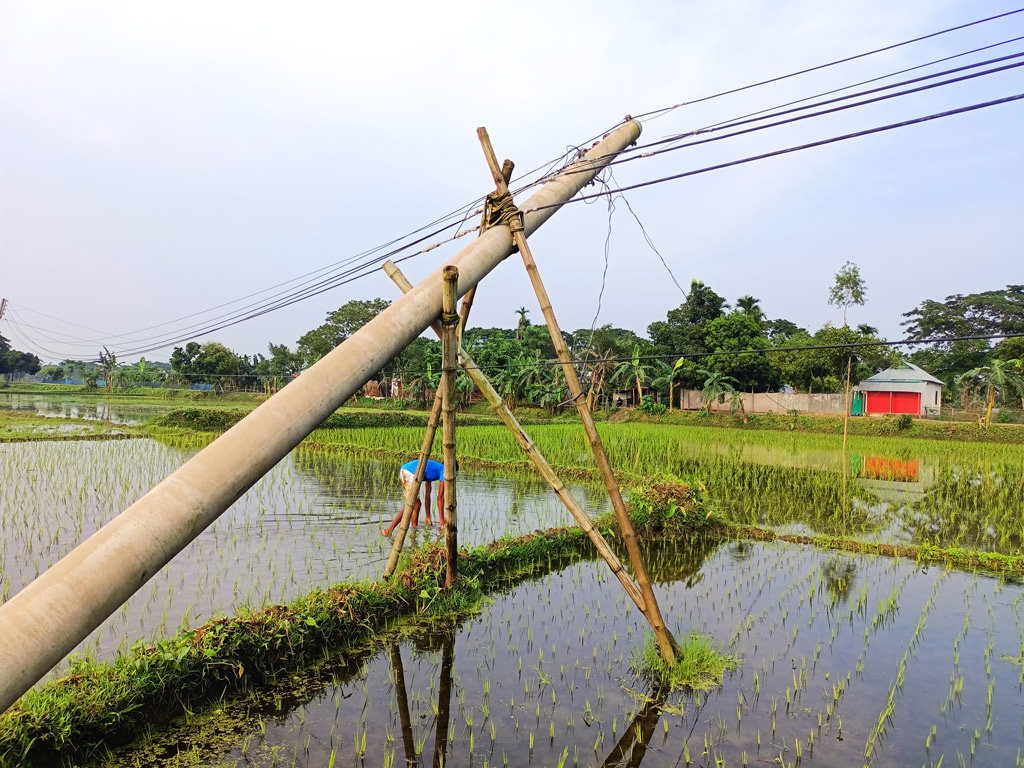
(999,379)
(600,368)
(632,371)
(717,386)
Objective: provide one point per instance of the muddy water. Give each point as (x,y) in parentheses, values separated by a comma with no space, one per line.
(542,676)
(314,520)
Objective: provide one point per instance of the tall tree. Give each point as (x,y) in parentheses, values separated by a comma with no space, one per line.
(985,313)
(212,363)
(338,326)
(750,307)
(683,329)
(849,289)
(738,331)
(523,321)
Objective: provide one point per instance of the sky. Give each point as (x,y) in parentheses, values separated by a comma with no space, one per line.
(161,159)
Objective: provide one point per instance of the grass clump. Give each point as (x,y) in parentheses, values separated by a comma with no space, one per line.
(666,503)
(700,664)
(201,419)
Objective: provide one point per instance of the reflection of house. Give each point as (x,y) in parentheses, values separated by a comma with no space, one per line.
(625,398)
(904,388)
(894,480)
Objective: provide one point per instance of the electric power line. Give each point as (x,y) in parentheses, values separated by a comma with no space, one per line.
(663,110)
(823,142)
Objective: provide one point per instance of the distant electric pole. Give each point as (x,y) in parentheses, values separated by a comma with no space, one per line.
(3,306)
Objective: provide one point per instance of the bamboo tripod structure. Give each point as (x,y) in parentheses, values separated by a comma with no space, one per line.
(666,643)
(549,474)
(642,594)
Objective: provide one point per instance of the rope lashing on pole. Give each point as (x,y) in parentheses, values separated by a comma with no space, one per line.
(502,209)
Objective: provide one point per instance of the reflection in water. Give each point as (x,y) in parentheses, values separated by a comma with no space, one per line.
(443,635)
(117,412)
(637,736)
(839,574)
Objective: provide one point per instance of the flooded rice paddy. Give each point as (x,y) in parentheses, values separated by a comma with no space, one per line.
(314,520)
(842,661)
(896,491)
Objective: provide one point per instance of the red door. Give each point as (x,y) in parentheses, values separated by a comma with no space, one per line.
(893,402)
(876,402)
(906,402)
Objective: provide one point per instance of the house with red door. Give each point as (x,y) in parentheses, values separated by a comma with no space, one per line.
(904,388)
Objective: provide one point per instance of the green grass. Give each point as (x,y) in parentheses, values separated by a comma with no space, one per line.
(700,666)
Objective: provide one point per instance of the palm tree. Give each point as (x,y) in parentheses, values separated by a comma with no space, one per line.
(997,379)
(750,307)
(632,370)
(523,322)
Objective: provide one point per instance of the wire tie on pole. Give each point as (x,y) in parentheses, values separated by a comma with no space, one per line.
(447,319)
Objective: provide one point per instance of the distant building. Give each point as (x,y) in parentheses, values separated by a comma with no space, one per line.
(904,388)
(625,398)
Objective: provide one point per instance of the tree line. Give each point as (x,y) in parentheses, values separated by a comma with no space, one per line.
(683,351)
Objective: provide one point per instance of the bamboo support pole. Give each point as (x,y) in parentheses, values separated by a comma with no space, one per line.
(666,642)
(449,357)
(412,494)
(508,418)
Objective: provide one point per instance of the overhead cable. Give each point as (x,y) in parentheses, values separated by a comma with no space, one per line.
(829,64)
(799,147)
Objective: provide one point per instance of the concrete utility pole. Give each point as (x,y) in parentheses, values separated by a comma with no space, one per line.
(45,621)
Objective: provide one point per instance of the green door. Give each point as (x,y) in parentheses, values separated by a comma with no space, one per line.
(857,404)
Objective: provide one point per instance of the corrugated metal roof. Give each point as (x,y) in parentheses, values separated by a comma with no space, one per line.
(904,373)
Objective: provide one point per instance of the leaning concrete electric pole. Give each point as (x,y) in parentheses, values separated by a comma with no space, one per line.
(45,621)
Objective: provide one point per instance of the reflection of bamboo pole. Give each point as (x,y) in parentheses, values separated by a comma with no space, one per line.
(506,415)
(403,705)
(449,355)
(412,494)
(846,416)
(666,643)
(637,735)
(444,700)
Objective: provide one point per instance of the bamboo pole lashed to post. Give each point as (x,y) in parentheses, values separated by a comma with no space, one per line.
(549,474)
(449,357)
(412,493)
(666,642)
